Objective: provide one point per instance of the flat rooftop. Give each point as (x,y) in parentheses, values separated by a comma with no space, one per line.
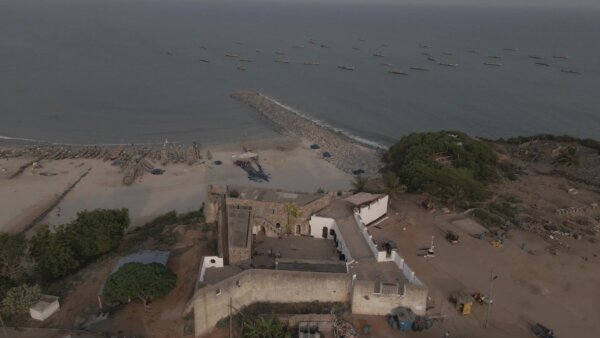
(271,195)
(371,270)
(337,209)
(297,248)
(238,226)
(362,198)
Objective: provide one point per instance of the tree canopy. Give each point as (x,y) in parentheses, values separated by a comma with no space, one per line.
(136,280)
(19,299)
(68,247)
(449,165)
(12,255)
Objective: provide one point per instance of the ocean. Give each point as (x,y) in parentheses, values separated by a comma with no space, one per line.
(129,71)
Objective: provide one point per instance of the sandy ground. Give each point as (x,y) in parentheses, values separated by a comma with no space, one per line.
(181,187)
(559,291)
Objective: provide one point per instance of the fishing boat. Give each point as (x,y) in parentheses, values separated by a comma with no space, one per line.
(570,71)
(511,49)
(204,60)
(355,48)
(245,60)
(542,64)
(242,68)
(448,64)
(448,54)
(345,67)
(379,55)
(424,69)
(231,55)
(425,46)
(535,57)
(494,57)
(202,47)
(311,63)
(385,64)
(397,72)
(431,59)
(493,64)
(324,46)
(425,53)
(563,57)
(282,61)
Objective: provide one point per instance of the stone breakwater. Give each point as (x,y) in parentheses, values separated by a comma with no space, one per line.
(347,153)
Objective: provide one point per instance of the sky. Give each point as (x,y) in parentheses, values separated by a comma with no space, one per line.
(474,3)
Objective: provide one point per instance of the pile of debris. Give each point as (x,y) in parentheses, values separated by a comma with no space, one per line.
(343,329)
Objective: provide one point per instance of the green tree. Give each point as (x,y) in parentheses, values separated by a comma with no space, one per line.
(53,253)
(97,232)
(19,299)
(359,184)
(12,255)
(143,281)
(391,184)
(293,213)
(263,327)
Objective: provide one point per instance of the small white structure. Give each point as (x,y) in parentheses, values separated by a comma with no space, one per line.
(369,207)
(44,308)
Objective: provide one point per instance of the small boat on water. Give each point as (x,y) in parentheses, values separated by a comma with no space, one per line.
(542,64)
(511,49)
(493,64)
(279,53)
(169,53)
(238,43)
(378,54)
(385,64)
(384,45)
(431,59)
(324,46)
(311,63)
(425,53)
(494,57)
(448,64)
(245,60)
(242,68)
(397,72)
(472,51)
(361,40)
(570,71)
(202,47)
(425,46)
(204,60)
(282,61)
(535,57)
(423,69)
(231,55)
(562,57)
(448,54)
(298,46)
(345,67)
(355,48)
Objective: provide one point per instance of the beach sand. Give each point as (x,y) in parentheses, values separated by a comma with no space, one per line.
(181,187)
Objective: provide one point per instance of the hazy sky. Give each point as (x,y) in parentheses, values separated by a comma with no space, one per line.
(479,3)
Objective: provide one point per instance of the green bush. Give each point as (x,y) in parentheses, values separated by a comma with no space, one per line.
(142,281)
(53,253)
(12,255)
(447,165)
(19,299)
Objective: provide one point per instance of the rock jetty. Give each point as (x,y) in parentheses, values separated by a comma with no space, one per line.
(343,151)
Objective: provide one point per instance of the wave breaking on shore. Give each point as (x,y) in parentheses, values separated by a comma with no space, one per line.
(347,152)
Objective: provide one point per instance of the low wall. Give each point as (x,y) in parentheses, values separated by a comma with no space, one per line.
(212,303)
(366,302)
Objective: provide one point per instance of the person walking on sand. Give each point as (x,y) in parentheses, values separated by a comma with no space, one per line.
(446,335)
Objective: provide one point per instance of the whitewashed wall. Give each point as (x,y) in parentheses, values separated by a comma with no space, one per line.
(209,262)
(373,211)
(316,230)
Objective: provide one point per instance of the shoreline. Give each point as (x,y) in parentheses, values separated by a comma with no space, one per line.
(349,153)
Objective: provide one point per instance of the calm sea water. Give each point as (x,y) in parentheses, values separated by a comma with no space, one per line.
(110,71)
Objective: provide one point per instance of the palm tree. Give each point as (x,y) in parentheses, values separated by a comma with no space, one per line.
(359,184)
(456,195)
(392,185)
(293,213)
(263,327)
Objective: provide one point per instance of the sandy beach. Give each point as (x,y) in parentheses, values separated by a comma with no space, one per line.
(182,187)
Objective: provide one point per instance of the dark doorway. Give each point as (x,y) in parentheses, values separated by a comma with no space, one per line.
(325,232)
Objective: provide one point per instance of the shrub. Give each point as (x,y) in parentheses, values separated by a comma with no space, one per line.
(19,299)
